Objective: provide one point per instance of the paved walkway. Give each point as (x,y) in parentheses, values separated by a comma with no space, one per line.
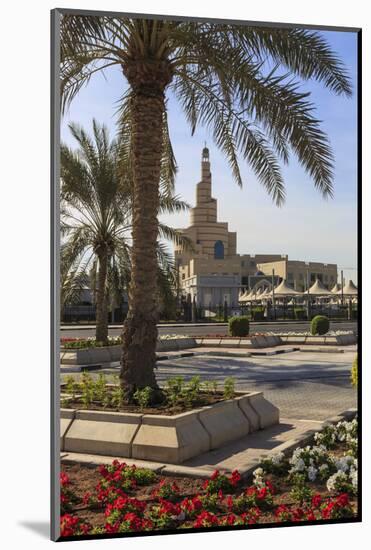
(308,388)
(308,385)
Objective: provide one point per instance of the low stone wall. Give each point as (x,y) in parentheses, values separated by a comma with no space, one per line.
(112,354)
(164,438)
(268,341)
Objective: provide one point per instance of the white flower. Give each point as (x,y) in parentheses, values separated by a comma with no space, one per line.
(335,481)
(312,473)
(353,476)
(344,463)
(298,465)
(277,458)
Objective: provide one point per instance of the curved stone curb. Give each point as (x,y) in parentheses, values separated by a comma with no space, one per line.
(308,437)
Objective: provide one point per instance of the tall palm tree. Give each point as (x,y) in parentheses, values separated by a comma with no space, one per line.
(96,224)
(237,81)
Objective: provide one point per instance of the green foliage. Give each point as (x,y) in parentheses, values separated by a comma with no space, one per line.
(117,396)
(100,388)
(257,313)
(300,492)
(300,313)
(91,343)
(87,389)
(354,372)
(72,386)
(191,392)
(143,397)
(320,325)
(229,390)
(174,389)
(239,326)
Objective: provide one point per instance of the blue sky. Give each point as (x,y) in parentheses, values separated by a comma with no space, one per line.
(306,227)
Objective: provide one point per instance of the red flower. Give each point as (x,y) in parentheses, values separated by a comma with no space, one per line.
(214,475)
(297,514)
(64,479)
(229,501)
(316,500)
(342,500)
(327,511)
(235,477)
(206,519)
(262,493)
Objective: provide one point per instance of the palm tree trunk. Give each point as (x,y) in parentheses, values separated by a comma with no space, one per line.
(101,329)
(140,327)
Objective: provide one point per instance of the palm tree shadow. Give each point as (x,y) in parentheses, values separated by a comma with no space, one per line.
(41,528)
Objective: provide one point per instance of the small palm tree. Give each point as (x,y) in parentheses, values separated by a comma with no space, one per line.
(96,216)
(237,81)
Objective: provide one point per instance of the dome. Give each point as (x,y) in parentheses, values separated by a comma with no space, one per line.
(259,274)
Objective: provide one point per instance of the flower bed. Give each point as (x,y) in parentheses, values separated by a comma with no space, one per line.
(91,342)
(313,484)
(178,395)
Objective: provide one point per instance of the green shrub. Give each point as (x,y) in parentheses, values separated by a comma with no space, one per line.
(174,389)
(191,391)
(300,313)
(354,372)
(143,397)
(228,388)
(257,314)
(320,325)
(239,326)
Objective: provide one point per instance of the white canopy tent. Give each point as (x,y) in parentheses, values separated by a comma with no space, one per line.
(349,289)
(283,290)
(318,289)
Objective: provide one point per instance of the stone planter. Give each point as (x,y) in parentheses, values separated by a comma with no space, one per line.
(112,354)
(171,439)
(102,433)
(224,422)
(163,438)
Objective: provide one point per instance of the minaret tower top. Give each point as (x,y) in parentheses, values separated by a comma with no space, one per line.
(205,209)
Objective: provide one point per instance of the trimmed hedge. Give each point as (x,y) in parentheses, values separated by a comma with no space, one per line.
(320,325)
(300,313)
(354,372)
(239,326)
(257,314)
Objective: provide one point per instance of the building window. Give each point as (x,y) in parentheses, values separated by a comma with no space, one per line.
(242,264)
(252,263)
(219,250)
(198,241)
(301,276)
(290,276)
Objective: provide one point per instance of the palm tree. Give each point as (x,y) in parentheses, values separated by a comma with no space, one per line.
(96,216)
(235,80)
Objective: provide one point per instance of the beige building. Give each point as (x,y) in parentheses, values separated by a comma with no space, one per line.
(214,273)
